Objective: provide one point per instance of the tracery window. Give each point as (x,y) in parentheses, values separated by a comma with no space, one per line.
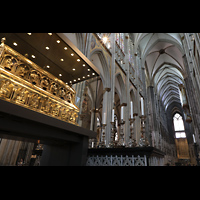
(179,126)
(119,38)
(130,53)
(122,41)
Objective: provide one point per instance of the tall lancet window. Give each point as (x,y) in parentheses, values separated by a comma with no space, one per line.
(119,38)
(179,126)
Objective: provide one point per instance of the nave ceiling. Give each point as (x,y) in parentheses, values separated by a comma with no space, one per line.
(161,54)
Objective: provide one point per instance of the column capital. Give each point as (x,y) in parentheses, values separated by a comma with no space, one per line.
(95,110)
(106,90)
(123,104)
(184,55)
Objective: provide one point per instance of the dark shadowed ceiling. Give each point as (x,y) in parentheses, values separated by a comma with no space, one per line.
(53,54)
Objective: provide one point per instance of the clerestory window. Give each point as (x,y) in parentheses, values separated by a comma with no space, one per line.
(179,126)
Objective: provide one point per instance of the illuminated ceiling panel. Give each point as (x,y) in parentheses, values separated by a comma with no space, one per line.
(55,55)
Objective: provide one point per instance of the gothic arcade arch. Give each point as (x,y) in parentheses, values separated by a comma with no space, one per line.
(133,99)
(120,87)
(117,104)
(97,57)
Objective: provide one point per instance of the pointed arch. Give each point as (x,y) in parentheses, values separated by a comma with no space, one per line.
(133,99)
(132,96)
(119,84)
(97,57)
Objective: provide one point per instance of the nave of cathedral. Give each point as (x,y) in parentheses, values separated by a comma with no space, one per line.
(99,99)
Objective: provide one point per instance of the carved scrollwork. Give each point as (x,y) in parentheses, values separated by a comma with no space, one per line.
(69,97)
(9,62)
(64,113)
(6,88)
(35,77)
(45,83)
(22,71)
(56,110)
(62,93)
(54,88)
(34,101)
(45,105)
(22,95)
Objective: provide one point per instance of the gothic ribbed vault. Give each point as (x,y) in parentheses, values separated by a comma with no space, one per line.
(162,54)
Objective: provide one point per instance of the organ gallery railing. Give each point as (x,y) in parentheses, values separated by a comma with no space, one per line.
(24,83)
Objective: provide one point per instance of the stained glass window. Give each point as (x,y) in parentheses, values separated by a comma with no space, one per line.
(119,38)
(130,53)
(122,41)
